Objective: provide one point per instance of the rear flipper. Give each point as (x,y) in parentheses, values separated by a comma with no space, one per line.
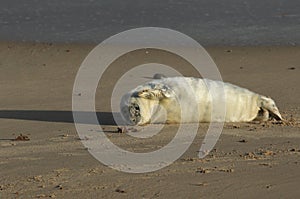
(268,108)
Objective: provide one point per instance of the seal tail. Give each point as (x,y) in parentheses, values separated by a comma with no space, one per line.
(269,104)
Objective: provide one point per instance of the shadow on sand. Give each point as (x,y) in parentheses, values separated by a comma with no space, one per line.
(104,118)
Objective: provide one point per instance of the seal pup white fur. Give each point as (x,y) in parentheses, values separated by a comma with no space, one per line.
(158,102)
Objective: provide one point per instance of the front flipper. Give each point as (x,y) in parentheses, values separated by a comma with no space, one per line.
(267,104)
(156,92)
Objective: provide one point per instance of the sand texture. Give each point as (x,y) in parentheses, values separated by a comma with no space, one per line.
(48,159)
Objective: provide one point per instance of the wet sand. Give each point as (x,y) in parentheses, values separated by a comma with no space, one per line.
(249,160)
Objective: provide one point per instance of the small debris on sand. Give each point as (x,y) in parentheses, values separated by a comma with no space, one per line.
(236,126)
(233,126)
(249,156)
(209,170)
(21,138)
(189,159)
(59,187)
(65,135)
(121,130)
(38,178)
(294,150)
(119,190)
(200,184)
(203,170)
(266,164)
(41,196)
(267,153)
(268,186)
(227,170)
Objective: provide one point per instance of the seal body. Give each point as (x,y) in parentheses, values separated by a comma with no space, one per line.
(188,99)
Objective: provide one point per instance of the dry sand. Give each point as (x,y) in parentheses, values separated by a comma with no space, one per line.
(250,159)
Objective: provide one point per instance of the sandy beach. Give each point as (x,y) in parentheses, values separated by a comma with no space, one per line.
(249,160)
